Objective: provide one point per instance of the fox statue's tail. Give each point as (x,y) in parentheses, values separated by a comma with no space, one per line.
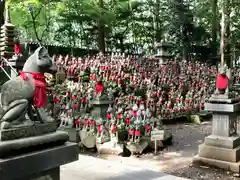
(4,61)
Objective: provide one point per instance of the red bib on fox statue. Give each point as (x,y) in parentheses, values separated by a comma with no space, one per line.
(40,93)
(99,88)
(17,49)
(222,81)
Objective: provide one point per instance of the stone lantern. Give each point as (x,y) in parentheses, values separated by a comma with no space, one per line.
(6,37)
(163,53)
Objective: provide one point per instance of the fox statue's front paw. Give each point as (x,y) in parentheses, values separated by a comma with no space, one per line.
(16,124)
(5,125)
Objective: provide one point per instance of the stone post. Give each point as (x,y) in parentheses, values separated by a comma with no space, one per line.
(100,108)
(222,148)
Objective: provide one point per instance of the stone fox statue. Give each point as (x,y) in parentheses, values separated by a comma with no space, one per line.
(223,81)
(22,99)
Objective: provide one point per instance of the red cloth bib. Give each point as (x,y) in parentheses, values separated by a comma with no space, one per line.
(99,87)
(40,93)
(222,82)
(17,49)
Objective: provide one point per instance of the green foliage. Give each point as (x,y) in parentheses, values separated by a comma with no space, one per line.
(124,24)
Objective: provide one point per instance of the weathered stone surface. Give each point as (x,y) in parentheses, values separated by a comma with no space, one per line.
(219,107)
(109,148)
(137,147)
(12,146)
(223,142)
(100,108)
(222,98)
(51,174)
(36,130)
(218,153)
(100,102)
(88,138)
(224,124)
(35,164)
(72,133)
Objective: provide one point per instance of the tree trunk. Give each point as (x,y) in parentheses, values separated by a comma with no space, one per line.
(222,44)
(122,47)
(214,29)
(101,32)
(228,34)
(157,19)
(185,39)
(225,34)
(2,7)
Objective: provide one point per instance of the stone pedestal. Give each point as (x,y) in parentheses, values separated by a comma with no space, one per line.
(42,163)
(72,133)
(222,148)
(237,87)
(100,108)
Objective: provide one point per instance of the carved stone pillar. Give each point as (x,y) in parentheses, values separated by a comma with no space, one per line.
(222,148)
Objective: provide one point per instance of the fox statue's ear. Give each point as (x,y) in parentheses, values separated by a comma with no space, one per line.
(43,57)
(42,51)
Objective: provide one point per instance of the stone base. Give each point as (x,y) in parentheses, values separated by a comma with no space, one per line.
(218,153)
(99,109)
(88,139)
(51,174)
(9,148)
(222,98)
(229,166)
(28,131)
(101,101)
(223,142)
(72,133)
(110,148)
(137,147)
(220,107)
(39,163)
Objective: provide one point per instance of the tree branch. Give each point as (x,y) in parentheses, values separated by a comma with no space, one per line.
(34,22)
(36,15)
(45,29)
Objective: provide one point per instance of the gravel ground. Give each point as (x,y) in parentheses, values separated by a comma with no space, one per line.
(186,138)
(177,158)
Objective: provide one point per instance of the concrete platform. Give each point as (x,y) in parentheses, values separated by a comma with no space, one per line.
(39,163)
(92,168)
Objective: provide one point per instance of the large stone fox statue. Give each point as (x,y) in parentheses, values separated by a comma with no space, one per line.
(22,99)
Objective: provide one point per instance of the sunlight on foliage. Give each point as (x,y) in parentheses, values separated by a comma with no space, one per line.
(125,24)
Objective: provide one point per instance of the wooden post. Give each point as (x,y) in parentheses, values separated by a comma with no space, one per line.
(155,147)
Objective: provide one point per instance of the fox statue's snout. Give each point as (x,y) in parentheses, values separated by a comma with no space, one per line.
(53,68)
